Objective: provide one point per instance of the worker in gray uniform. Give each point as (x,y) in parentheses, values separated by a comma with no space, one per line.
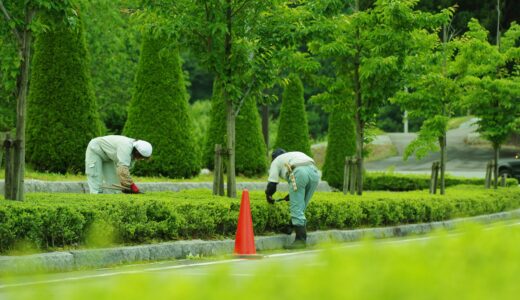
(108,160)
(302,175)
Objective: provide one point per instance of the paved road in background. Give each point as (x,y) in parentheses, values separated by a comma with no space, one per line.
(463,159)
(238,268)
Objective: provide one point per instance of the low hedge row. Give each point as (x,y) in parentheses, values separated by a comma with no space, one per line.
(47,221)
(379,181)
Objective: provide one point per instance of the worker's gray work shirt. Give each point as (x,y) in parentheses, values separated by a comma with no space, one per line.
(116,148)
(279,170)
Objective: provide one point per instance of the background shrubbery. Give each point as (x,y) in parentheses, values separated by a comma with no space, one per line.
(375,181)
(47,220)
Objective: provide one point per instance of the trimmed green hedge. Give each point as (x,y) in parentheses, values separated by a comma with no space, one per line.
(47,221)
(159,112)
(341,143)
(62,114)
(293,131)
(375,181)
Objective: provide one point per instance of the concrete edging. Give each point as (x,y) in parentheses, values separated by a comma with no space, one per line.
(40,186)
(98,258)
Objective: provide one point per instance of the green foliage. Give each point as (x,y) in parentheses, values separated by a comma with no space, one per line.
(341,143)
(293,130)
(158,112)
(201,111)
(9,64)
(492,82)
(17,16)
(251,152)
(52,220)
(217,126)
(433,90)
(250,147)
(62,111)
(114,57)
(368,49)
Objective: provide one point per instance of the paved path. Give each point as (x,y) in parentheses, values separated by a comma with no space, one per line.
(463,159)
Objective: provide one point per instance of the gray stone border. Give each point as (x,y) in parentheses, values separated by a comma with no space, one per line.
(98,258)
(40,186)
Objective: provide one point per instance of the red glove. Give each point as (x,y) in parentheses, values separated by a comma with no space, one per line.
(134,188)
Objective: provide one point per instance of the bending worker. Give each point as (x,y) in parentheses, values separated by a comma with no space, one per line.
(302,175)
(108,160)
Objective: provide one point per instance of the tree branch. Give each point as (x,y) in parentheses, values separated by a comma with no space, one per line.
(9,19)
(244,97)
(240,8)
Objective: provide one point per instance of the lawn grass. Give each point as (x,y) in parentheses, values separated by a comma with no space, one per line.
(455,123)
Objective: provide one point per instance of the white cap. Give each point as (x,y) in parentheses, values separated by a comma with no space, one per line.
(143,147)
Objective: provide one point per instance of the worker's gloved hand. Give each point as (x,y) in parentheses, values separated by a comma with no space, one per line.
(134,189)
(269,199)
(286,198)
(126,191)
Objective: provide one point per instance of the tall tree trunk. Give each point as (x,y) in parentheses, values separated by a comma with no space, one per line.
(231,180)
(496,154)
(21,108)
(444,157)
(230,112)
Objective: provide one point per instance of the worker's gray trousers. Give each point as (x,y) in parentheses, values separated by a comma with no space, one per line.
(307,179)
(99,172)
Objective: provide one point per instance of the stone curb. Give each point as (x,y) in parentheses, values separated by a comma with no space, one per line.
(40,186)
(98,258)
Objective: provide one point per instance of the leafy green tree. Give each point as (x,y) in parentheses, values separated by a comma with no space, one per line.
(370,47)
(226,36)
(492,83)
(62,112)
(158,112)
(250,146)
(433,93)
(483,10)
(293,130)
(17,25)
(114,57)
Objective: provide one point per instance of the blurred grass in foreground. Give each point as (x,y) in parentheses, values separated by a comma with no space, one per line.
(476,264)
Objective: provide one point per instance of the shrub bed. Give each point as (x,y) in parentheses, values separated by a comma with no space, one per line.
(375,181)
(47,221)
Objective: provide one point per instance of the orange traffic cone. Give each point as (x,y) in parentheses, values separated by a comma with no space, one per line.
(245,238)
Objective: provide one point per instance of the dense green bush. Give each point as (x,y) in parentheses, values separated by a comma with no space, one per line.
(375,181)
(340,144)
(250,149)
(158,112)
(293,130)
(62,113)
(51,220)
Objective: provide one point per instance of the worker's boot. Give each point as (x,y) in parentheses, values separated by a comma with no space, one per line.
(300,241)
